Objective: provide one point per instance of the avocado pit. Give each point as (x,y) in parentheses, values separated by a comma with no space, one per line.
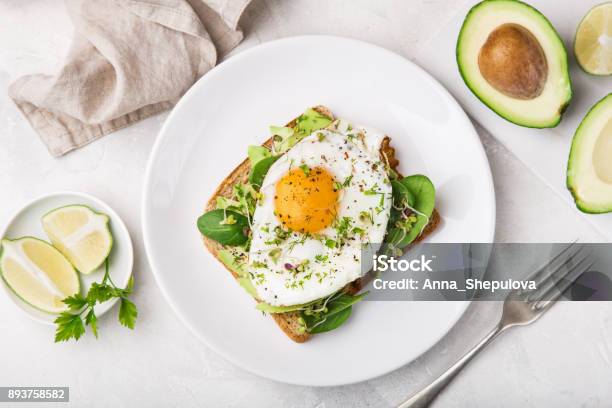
(513,62)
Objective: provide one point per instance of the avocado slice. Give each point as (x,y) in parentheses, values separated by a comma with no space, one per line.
(513,60)
(589,168)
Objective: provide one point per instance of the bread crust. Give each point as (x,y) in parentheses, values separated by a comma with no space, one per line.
(289,322)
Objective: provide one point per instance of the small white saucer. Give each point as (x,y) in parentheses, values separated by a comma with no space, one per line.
(26,222)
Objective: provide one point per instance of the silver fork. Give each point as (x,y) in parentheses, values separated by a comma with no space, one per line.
(520,308)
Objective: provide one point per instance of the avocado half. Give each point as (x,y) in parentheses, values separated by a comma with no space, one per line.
(589,168)
(513,60)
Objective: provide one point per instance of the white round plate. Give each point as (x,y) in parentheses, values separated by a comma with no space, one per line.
(207,135)
(26,222)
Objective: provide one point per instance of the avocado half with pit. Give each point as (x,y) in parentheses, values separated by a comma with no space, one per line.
(589,169)
(513,60)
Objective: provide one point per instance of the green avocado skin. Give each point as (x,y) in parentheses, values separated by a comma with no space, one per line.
(537,14)
(580,134)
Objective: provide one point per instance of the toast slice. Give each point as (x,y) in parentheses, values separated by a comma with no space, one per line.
(288,322)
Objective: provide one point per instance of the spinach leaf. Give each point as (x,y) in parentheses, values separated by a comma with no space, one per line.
(329,322)
(336,311)
(260,169)
(401,193)
(224,226)
(402,233)
(342,302)
(401,197)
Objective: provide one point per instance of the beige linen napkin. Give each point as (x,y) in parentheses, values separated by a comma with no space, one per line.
(129,59)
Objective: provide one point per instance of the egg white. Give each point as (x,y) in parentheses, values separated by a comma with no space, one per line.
(346,152)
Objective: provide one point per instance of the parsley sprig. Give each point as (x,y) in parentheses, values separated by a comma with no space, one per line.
(70,324)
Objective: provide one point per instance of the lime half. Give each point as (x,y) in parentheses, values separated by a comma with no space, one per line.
(81,234)
(38,273)
(593,44)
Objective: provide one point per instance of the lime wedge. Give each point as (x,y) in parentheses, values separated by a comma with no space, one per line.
(593,43)
(38,273)
(81,234)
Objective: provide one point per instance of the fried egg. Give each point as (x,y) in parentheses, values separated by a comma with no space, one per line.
(322,200)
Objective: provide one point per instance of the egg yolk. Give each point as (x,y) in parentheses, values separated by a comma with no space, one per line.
(306,199)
